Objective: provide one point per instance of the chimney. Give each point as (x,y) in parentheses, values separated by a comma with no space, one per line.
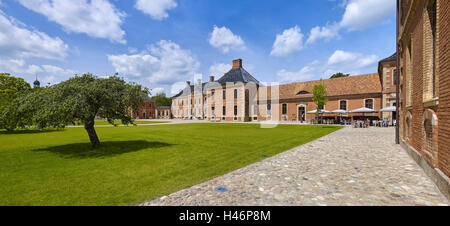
(188,83)
(211,78)
(237,63)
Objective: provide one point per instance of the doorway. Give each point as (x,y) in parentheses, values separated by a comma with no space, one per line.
(301,114)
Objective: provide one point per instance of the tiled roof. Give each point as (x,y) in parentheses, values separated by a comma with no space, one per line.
(352,85)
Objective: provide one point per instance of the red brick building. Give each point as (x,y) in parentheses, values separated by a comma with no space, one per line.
(147,111)
(347,93)
(238,96)
(387,71)
(424,63)
(163,112)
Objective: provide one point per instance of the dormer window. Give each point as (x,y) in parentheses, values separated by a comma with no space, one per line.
(303,92)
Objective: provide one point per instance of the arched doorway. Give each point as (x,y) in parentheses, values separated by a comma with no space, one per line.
(301,112)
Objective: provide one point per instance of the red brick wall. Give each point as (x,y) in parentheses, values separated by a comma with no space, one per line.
(149,109)
(439,156)
(332,104)
(443,50)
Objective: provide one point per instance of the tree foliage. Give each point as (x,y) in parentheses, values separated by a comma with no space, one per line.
(10,88)
(162,100)
(339,75)
(78,100)
(319,97)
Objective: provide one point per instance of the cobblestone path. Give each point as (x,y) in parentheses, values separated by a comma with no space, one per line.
(348,167)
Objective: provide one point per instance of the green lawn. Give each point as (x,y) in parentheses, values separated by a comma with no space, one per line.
(135,164)
(100,122)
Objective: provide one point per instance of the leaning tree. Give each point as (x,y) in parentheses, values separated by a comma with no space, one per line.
(79,100)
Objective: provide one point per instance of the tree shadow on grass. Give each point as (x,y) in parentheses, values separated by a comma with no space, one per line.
(107,149)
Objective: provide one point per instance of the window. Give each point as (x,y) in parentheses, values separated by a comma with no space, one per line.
(212,95)
(255,109)
(224,95)
(303,92)
(235,111)
(369,103)
(213,111)
(429,53)
(235,94)
(343,105)
(408,80)
(284,109)
(224,112)
(269,109)
(395,76)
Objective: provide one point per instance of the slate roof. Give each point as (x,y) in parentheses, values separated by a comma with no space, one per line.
(188,90)
(391,58)
(234,75)
(237,75)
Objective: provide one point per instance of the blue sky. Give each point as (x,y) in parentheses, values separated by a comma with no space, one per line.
(163,43)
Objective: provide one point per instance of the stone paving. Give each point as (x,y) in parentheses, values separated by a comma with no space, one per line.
(348,167)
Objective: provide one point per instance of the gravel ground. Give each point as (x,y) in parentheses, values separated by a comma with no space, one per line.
(348,167)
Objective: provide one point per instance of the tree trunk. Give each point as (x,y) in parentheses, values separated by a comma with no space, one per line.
(89,126)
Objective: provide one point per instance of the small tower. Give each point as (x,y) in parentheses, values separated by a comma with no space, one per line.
(36,83)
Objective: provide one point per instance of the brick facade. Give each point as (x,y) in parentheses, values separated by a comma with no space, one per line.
(147,111)
(163,112)
(247,101)
(424,80)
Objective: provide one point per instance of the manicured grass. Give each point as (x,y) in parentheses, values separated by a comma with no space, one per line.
(100,122)
(134,164)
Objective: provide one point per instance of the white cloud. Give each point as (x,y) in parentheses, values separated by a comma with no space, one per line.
(358,15)
(328,32)
(361,14)
(291,40)
(344,59)
(177,87)
(15,66)
(157,90)
(165,63)
(306,73)
(157,9)
(96,18)
(46,73)
(18,40)
(219,70)
(222,38)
